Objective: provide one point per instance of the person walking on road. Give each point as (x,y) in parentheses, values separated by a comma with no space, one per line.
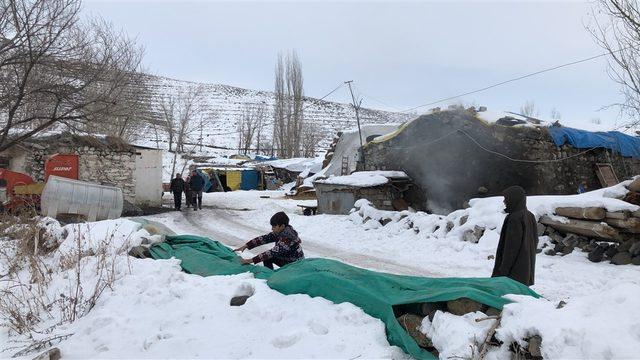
(177,187)
(196,184)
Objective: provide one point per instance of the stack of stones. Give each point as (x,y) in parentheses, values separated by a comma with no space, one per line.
(604,235)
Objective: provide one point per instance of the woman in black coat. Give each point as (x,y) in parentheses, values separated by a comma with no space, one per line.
(516,253)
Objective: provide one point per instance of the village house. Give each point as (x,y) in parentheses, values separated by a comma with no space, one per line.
(135,169)
(455,155)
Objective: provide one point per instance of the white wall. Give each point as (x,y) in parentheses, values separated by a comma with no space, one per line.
(148,176)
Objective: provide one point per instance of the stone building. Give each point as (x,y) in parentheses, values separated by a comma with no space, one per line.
(102,160)
(453,156)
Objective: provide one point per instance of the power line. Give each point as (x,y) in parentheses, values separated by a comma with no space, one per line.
(492,151)
(516,79)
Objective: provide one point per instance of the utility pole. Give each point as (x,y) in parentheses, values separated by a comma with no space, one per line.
(357,108)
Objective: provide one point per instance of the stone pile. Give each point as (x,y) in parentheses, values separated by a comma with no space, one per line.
(604,235)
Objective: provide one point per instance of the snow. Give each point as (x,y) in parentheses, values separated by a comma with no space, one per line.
(452,334)
(314,165)
(364,178)
(349,143)
(156,311)
(161,312)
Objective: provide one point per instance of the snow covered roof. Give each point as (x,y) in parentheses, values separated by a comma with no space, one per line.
(364,178)
(297,164)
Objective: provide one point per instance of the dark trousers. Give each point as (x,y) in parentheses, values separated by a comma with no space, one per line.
(269,263)
(196,200)
(187,197)
(177,199)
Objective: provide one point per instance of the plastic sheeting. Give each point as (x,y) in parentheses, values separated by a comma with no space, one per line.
(623,144)
(376,293)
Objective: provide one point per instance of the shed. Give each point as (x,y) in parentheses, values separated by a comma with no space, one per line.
(385,189)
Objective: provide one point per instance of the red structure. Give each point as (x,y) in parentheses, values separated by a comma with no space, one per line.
(63,165)
(8,199)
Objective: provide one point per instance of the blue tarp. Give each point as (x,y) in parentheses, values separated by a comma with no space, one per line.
(265,158)
(625,145)
(205,177)
(249,180)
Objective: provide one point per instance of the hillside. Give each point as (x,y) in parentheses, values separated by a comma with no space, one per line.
(223,105)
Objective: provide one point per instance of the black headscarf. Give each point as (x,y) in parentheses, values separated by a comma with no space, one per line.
(515,199)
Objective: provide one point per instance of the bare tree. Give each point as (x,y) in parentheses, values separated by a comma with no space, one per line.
(310,139)
(529,109)
(251,123)
(181,115)
(555,114)
(288,108)
(619,35)
(55,70)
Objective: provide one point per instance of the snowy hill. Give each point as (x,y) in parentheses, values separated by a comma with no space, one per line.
(223,106)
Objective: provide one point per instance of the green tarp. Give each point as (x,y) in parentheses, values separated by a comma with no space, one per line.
(376,293)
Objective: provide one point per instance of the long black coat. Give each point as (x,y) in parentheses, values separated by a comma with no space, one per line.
(177,185)
(516,253)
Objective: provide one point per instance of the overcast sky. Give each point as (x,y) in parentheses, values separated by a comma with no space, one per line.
(399,54)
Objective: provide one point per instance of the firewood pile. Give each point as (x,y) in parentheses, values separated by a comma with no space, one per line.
(604,235)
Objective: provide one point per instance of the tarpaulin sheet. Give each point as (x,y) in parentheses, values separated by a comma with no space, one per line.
(376,293)
(623,144)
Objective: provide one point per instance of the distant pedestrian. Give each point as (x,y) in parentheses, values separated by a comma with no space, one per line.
(196,184)
(516,253)
(177,188)
(187,191)
(287,248)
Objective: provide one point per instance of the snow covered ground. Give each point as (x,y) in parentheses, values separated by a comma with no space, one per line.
(154,310)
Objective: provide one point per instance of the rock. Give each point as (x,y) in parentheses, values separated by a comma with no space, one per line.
(632,197)
(635,249)
(561,304)
(541,229)
(473,236)
(535,342)
(611,251)
(463,306)
(597,254)
(550,252)
(571,240)
(482,190)
(559,247)
(491,257)
(239,300)
(567,250)
(625,246)
(635,185)
(621,258)
(385,221)
(412,323)
(140,252)
(556,238)
(493,312)
(51,354)
(636,260)
(550,231)
(450,225)
(464,219)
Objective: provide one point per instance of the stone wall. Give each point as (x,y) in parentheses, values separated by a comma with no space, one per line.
(97,165)
(453,157)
